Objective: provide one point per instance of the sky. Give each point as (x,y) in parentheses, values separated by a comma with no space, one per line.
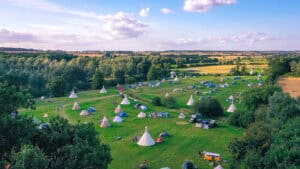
(141,25)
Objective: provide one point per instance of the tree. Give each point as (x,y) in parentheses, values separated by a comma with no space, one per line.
(98,80)
(29,157)
(58,86)
(120,76)
(257,96)
(209,107)
(242,118)
(13,97)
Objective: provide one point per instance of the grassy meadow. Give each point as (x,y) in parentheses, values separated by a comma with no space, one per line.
(185,141)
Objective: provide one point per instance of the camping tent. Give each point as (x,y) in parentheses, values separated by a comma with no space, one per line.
(142,115)
(103,90)
(104,122)
(231,108)
(218,167)
(118,109)
(146,139)
(73,95)
(167,95)
(176,79)
(45,115)
(182,116)
(125,101)
(76,106)
(231,97)
(191,101)
(117,119)
(84,113)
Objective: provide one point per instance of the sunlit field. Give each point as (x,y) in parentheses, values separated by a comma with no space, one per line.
(185,141)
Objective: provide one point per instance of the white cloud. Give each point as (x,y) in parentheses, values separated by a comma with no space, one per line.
(166,11)
(144,12)
(122,25)
(16,37)
(204,5)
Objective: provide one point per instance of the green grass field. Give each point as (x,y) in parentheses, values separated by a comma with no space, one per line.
(185,141)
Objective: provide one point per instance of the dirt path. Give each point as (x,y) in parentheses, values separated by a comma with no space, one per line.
(290,85)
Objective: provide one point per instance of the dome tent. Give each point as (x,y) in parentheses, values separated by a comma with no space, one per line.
(117,119)
(104,122)
(84,113)
(75,106)
(146,139)
(103,90)
(73,95)
(191,101)
(142,115)
(125,101)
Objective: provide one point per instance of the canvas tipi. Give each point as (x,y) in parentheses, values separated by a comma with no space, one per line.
(117,119)
(182,116)
(118,109)
(103,90)
(142,115)
(84,113)
(104,122)
(146,139)
(218,167)
(231,108)
(125,101)
(45,115)
(73,95)
(191,101)
(76,106)
(176,79)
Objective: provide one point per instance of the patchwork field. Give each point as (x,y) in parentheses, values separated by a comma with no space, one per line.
(290,85)
(224,69)
(185,141)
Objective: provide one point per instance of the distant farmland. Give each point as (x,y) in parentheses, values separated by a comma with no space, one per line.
(224,69)
(291,86)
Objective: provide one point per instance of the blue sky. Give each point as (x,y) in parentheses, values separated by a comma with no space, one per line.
(151,24)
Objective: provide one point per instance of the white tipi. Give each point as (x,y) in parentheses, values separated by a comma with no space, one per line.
(146,139)
(176,79)
(142,115)
(117,119)
(45,115)
(125,101)
(231,108)
(103,90)
(219,167)
(118,109)
(191,101)
(84,113)
(76,106)
(182,116)
(73,95)
(104,122)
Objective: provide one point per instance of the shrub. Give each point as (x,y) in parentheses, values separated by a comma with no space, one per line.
(156,101)
(209,107)
(169,102)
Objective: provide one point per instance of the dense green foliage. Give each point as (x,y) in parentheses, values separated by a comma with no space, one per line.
(262,146)
(169,102)
(209,107)
(23,144)
(156,101)
(280,65)
(239,69)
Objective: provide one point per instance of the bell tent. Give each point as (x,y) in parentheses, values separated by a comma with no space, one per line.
(146,139)
(142,115)
(190,102)
(117,119)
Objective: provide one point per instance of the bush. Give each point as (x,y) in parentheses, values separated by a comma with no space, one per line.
(242,118)
(156,101)
(130,80)
(169,102)
(209,107)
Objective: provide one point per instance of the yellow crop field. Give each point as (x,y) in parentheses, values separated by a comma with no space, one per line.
(223,69)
